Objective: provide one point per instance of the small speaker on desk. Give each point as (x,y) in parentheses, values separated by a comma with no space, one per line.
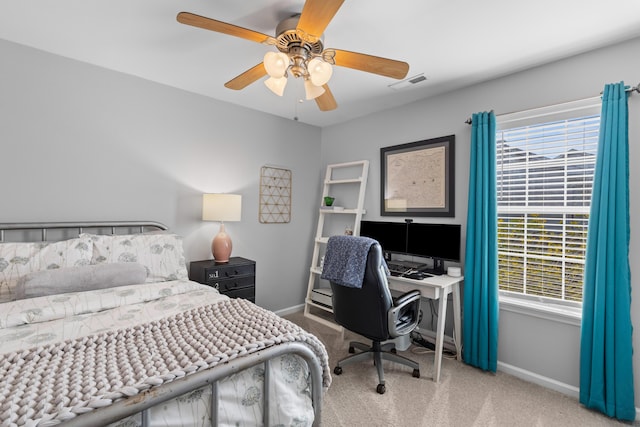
(454,271)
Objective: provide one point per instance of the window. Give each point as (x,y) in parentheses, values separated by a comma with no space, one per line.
(545,170)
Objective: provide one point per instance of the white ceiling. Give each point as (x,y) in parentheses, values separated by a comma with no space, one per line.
(453,43)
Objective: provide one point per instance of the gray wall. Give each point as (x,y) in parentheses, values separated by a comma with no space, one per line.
(78,142)
(540,349)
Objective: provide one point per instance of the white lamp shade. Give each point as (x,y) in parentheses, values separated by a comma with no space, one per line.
(221,207)
(276,85)
(276,64)
(319,71)
(312,91)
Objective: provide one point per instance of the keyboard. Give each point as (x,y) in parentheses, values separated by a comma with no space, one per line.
(397,273)
(397,269)
(396,266)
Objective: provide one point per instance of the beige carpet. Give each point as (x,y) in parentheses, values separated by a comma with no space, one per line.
(465,396)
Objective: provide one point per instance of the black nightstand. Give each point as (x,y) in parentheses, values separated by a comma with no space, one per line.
(236,278)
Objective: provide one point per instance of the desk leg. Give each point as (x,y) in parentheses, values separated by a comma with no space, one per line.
(442,319)
(457,332)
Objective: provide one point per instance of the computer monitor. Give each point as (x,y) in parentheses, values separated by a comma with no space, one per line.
(441,242)
(392,236)
(438,241)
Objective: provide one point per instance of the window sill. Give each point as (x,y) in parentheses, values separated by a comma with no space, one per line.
(548,311)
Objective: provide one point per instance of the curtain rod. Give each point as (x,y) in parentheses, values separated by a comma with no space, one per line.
(629,89)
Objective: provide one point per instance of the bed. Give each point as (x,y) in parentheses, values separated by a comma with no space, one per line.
(100,325)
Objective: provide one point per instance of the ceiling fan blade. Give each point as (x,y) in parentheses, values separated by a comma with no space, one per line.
(326,101)
(371,64)
(246,78)
(223,27)
(316,15)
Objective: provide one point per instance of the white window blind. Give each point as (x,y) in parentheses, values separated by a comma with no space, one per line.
(544,184)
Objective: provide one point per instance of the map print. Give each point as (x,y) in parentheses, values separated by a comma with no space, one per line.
(416,179)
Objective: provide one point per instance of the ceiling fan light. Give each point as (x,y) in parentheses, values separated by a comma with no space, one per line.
(319,71)
(276,64)
(276,85)
(312,91)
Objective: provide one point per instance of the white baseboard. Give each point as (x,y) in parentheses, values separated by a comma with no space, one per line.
(544,381)
(289,310)
(539,379)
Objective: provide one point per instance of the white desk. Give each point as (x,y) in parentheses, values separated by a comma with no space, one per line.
(437,288)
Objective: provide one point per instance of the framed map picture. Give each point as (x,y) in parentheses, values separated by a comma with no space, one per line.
(418,178)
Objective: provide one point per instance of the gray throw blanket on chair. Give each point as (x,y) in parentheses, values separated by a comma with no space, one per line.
(345,260)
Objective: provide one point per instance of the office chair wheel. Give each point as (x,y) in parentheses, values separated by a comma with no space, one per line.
(394,351)
(352,349)
(337,370)
(381,389)
(416,373)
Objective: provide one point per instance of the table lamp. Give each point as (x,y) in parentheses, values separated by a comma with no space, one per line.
(221,207)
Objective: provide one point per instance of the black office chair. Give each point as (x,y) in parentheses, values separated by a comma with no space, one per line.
(371,311)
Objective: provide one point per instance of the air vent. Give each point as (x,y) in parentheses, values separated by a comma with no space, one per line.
(410,82)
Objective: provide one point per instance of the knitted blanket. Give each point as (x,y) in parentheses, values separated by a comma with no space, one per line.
(49,384)
(345,260)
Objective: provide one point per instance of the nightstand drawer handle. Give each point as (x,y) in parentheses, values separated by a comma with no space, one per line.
(231,274)
(231,285)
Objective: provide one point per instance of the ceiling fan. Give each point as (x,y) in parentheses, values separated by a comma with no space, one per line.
(301,53)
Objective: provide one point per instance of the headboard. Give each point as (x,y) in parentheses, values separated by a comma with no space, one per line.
(55,231)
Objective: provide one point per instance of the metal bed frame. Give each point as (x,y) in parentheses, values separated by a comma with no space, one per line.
(142,402)
(77,228)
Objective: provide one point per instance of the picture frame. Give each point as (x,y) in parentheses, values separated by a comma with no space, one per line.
(418,178)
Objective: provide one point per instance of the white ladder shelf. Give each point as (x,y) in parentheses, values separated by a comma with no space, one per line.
(343,176)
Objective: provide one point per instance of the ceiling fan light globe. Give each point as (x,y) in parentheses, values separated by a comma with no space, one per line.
(319,71)
(312,91)
(276,85)
(276,64)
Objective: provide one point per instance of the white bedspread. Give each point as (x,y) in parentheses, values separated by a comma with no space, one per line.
(37,321)
(45,321)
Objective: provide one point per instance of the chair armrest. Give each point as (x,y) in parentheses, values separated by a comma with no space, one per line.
(403,317)
(406,298)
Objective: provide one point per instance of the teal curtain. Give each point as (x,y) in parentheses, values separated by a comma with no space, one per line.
(480,326)
(606,366)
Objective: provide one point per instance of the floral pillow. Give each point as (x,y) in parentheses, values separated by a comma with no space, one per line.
(21,258)
(161,254)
